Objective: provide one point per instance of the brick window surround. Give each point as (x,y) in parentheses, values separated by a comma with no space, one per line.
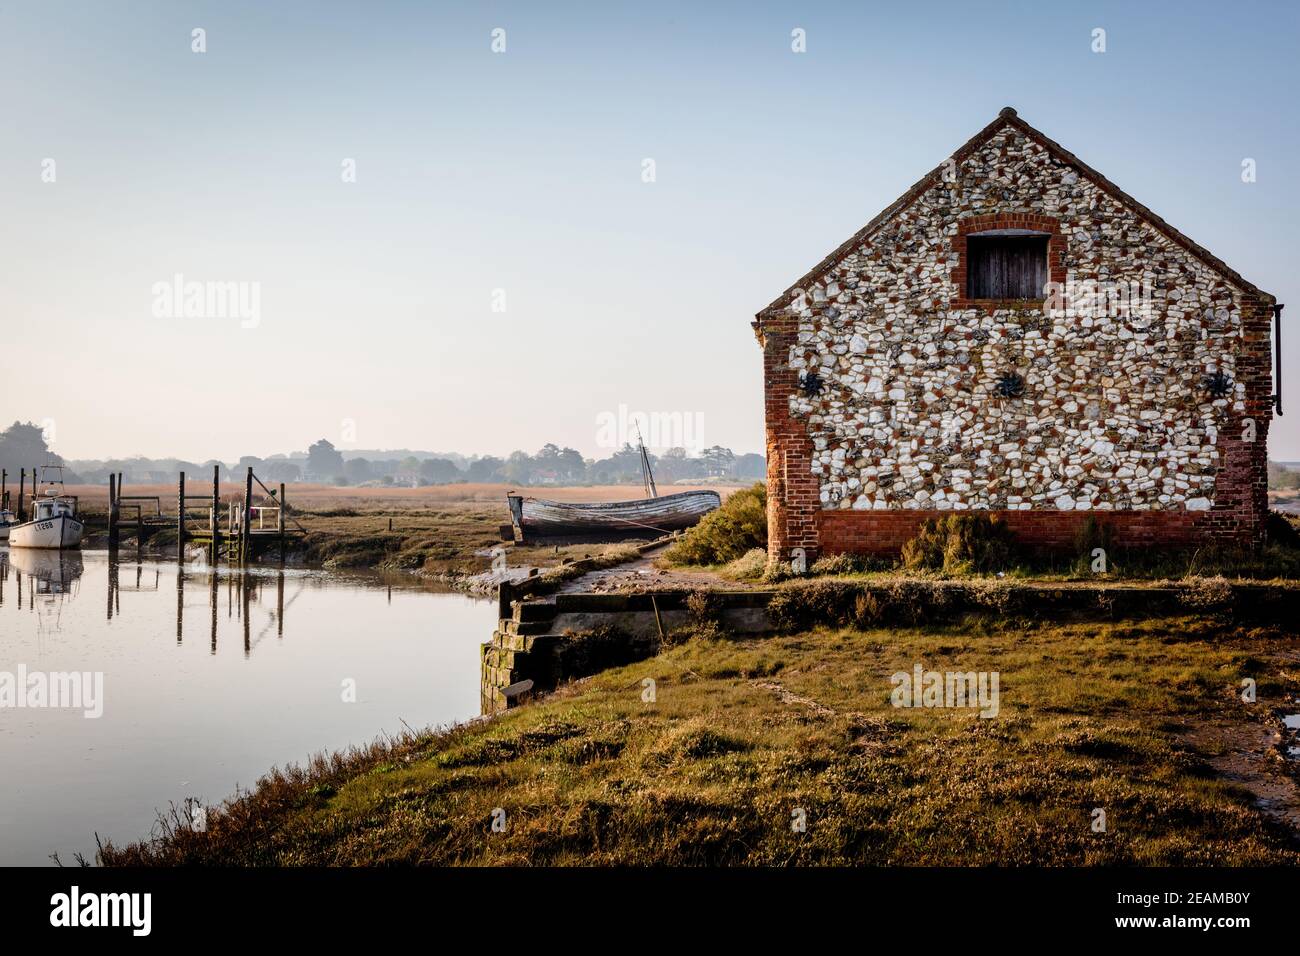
(1056,246)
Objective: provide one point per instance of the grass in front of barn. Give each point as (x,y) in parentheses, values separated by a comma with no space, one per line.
(746,736)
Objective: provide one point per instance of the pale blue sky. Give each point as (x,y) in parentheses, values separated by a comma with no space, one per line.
(522,171)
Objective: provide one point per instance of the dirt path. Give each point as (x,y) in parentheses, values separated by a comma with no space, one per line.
(641,574)
(1249,755)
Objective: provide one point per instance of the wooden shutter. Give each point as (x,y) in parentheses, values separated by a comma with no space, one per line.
(1006,267)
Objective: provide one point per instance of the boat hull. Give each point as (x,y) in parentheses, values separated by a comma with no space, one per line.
(61,531)
(535,518)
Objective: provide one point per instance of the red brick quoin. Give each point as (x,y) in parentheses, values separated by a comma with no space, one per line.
(793,493)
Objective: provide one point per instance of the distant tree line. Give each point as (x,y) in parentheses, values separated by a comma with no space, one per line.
(24,446)
(1283,476)
(551,465)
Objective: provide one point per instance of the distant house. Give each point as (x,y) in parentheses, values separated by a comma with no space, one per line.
(543,476)
(1016,334)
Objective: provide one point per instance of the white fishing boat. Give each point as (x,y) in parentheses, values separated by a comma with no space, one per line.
(54,522)
(7,520)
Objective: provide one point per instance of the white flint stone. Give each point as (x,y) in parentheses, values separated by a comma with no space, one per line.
(1114,415)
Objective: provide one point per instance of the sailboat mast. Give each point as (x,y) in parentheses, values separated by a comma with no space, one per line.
(647,475)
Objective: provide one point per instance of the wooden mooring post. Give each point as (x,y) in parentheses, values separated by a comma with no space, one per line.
(245,526)
(113,491)
(279,523)
(22,484)
(4,491)
(180,518)
(215,521)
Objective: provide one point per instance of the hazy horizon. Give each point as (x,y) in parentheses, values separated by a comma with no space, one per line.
(518,178)
(349,453)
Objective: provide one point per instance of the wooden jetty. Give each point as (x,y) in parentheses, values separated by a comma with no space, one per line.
(236,529)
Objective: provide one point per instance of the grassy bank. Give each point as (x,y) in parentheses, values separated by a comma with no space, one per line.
(1134,717)
(436,540)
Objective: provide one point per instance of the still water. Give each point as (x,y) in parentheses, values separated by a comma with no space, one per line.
(208,680)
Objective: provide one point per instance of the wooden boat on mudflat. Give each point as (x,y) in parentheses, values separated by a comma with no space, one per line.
(535,519)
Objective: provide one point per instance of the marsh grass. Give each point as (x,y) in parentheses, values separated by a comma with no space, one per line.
(443,531)
(440,539)
(965,543)
(448,540)
(744,731)
(750,566)
(727,534)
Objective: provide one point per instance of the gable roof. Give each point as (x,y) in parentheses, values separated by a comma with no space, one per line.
(1008,117)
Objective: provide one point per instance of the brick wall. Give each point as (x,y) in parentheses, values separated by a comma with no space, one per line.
(885,532)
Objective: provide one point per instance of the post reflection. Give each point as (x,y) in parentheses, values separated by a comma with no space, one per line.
(40,580)
(244,595)
(212,601)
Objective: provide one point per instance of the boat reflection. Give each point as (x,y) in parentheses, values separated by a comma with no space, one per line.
(49,571)
(50,575)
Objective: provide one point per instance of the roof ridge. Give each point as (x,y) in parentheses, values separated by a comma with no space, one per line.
(1008,116)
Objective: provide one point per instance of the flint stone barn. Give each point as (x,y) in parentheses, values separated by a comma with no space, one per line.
(931,363)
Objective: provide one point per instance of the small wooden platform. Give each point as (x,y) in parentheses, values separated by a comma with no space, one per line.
(241,536)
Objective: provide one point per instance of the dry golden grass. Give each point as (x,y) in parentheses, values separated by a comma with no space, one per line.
(317,497)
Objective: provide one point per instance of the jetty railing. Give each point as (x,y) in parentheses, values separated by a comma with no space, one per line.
(243,531)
